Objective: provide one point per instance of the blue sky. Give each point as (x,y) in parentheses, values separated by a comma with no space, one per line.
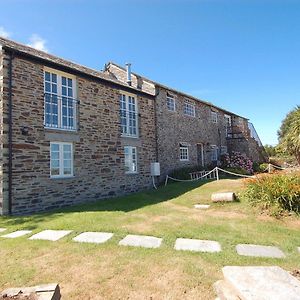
(242,55)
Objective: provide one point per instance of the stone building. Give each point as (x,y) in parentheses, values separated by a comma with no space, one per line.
(70,134)
(192,132)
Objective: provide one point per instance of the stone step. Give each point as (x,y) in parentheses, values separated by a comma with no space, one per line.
(225,291)
(263,283)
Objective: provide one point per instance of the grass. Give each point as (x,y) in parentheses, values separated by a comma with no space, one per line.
(109,271)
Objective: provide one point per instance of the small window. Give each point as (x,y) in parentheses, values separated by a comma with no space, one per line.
(224,150)
(184,153)
(214,153)
(189,109)
(61,159)
(130,154)
(170,102)
(214,117)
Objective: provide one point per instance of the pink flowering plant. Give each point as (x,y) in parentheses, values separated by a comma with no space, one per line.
(237,161)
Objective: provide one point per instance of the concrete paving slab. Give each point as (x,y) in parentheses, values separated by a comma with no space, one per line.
(197,245)
(50,235)
(141,241)
(263,283)
(202,206)
(299,249)
(16,234)
(259,251)
(93,237)
(2,229)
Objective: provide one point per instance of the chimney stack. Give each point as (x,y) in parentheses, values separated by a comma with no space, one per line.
(128,69)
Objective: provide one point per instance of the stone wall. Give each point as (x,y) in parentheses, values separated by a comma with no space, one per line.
(99,170)
(174,127)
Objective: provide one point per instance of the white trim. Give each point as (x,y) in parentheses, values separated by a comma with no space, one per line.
(182,147)
(59,75)
(189,109)
(171,98)
(61,160)
(214,116)
(127,95)
(133,162)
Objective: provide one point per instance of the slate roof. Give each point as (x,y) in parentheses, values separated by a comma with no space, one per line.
(41,55)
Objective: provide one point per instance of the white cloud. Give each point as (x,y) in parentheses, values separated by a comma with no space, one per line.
(38,42)
(4,33)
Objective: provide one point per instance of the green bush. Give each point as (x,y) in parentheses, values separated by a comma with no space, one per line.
(184,173)
(263,167)
(237,170)
(274,192)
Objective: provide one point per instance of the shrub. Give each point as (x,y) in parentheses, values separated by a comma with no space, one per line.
(237,160)
(263,167)
(274,192)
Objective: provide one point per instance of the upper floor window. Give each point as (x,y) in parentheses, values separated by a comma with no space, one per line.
(184,152)
(130,154)
(189,109)
(171,102)
(214,117)
(60,100)
(129,116)
(61,159)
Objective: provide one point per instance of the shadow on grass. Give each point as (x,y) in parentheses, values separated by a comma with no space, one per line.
(124,204)
(127,203)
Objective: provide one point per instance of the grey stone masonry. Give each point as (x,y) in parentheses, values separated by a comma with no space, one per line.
(259,251)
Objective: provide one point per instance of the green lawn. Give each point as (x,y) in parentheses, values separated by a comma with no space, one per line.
(109,271)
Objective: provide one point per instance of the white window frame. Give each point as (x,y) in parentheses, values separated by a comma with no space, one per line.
(59,95)
(133,162)
(214,153)
(125,115)
(61,160)
(189,109)
(228,123)
(214,117)
(171,103)
(184,153)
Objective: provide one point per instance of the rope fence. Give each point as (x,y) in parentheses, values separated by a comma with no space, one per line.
(214,174)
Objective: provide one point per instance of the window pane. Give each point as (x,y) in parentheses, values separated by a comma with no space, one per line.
(54,147)
(54,78)
(64,80)
(47,76)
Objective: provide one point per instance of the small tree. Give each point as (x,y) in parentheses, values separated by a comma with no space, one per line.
(289,134)
(271,150)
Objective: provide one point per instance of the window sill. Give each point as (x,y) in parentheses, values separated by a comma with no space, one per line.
(62,177)
(184,160)
(60,129)
(129,136)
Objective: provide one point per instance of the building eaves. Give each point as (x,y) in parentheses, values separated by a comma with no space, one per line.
(178,92)
(30,52)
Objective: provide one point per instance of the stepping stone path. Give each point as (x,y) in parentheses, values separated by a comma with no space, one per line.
(263,283)
(197,245)
(299,249)
(2,229)
(16,234)
(202,206)
(93,237)
(141,241)
(50,235)
(259,251)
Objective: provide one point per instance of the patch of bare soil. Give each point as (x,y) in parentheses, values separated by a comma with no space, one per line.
(19,297)
(296,273)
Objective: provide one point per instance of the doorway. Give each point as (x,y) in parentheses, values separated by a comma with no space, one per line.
(200,154)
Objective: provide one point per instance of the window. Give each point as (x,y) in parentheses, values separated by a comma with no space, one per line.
(189,109)
(224,150)
(61,159)
(60,102)
(214,153)
(128,113)
(130,159)
(184,152)
(214,117)
(170,102)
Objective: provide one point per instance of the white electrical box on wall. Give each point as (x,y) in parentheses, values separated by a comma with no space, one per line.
(155,169)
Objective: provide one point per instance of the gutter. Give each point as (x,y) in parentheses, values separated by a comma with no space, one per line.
(10,130)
